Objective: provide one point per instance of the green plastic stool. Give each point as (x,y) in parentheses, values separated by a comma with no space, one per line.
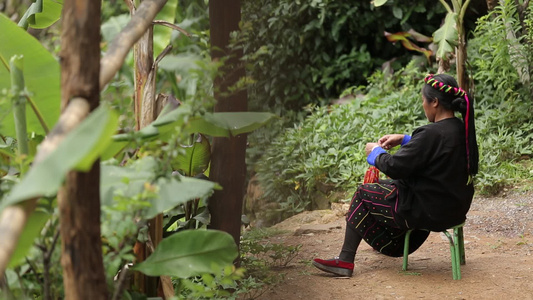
(457,249)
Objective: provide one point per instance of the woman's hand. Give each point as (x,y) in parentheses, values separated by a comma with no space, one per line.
(369,147)
(390,140)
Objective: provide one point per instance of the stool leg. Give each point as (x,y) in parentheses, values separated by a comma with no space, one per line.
(406,250)
(461,241)
(456,272)
(457,254)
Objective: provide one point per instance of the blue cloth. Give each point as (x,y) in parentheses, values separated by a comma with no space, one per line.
(406,139)
(371,159)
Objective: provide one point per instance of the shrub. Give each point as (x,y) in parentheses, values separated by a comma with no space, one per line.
(328,147)
(499,53)
(302,52)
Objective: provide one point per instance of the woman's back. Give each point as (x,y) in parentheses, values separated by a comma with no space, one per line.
(431,174)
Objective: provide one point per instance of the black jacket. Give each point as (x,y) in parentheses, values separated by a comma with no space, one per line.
(430,172)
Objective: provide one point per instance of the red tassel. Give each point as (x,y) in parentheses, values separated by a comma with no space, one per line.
(371,175)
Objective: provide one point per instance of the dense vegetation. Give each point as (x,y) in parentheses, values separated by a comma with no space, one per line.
(303,52)
(326,150)
(299,55)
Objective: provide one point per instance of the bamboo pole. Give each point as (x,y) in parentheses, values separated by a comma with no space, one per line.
(19,108)
(14,218)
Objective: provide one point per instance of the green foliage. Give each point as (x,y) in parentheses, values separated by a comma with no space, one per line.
(42,14)
(196,158)
(162,34)
(262,260)
(41,76)
(328,147)
(190,253)
(446,36)
(32,230)
(78,150)
(223,284)
(503,99)
(227,124)
(302,52)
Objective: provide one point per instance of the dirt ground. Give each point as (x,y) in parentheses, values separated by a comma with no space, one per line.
(498,245)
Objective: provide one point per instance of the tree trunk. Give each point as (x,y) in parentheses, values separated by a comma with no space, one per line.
(79,200)
(228,166)
(460,57)
(144,99)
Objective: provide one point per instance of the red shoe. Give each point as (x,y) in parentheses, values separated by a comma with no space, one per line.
(334,266)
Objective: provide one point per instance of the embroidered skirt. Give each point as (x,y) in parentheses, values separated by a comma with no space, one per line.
(373,215)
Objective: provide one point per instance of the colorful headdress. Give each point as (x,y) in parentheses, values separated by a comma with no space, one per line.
(472,154)
(456,91)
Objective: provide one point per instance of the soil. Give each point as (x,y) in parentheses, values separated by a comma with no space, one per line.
(498,245)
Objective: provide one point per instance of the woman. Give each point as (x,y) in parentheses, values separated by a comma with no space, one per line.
(431,186)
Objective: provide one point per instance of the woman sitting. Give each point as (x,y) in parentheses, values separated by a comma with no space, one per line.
(431,186)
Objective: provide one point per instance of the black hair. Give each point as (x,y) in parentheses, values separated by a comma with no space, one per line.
(448,100)
(451,101)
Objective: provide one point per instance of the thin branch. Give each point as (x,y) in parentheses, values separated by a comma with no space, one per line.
(38,114)
(12,221)
(47,255)
(4,287)
(130,5)
(161,56)
(34,270)
(119,289)
(122,43)
(170,25)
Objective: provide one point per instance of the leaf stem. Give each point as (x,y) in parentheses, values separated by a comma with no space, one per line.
(448,8)
(38,114)
(463,11)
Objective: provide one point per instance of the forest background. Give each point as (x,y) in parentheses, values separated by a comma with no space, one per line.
(324,77)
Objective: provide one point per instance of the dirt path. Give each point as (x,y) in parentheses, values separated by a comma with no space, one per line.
(499,260)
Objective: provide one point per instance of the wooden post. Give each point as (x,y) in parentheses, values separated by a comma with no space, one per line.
(228,166)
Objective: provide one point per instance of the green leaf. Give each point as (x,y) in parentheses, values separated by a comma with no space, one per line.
(41,75)
(32,229)
(162,33)
(163,125)
(196,159)
(113,26)
(173,192)
(42,14)
(50,14)
(446,36)
(182,63)
(397,12)
(129,180)
(114,148)
(190,253)
(378,3)
(78,151)
(402,37)
(226,124)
